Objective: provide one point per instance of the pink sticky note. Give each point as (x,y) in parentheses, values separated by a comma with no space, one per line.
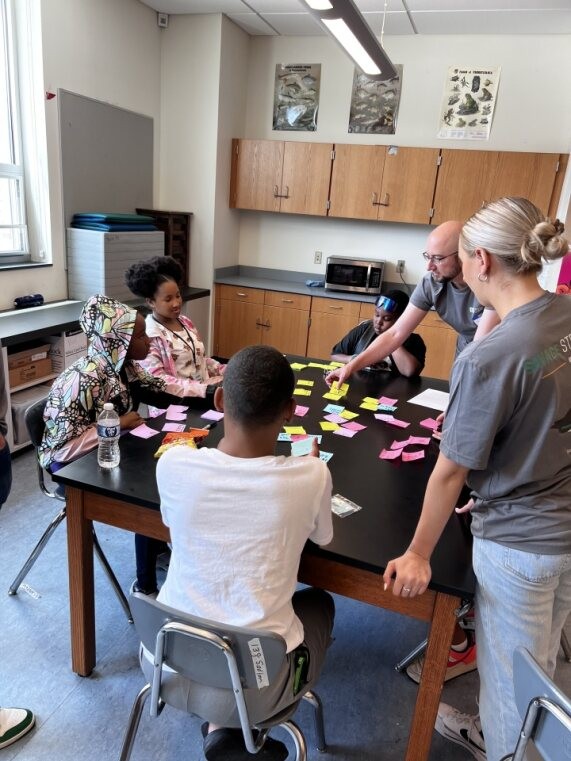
(386,400)
(210,415)
(429,423)
(400,444)
(344,432)
(176,415)
(177,408)
(390,454)
(408,456)
(423,440)
(333,417)
(177,427)
(394,421)
(155,411)
(353,426)
(298,436)
(300,410)
(143,431)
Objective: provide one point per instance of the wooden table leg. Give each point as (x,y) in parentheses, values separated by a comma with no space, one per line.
(434,670)
(81,593)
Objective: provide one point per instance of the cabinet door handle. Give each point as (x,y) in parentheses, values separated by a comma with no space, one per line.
(374,201)
(484,203)
(287,301)
(281,195)
(241,294)
(386,201)
(276,192)
(338,308)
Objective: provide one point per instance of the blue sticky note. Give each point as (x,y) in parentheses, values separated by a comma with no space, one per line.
(325,456)
(336,408)
(284,436)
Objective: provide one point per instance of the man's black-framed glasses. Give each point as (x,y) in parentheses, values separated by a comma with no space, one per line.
(436,259)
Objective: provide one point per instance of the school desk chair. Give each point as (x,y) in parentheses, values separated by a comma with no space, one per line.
(34,418)
(195,659)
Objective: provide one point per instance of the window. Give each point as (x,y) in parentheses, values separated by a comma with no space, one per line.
(13,228)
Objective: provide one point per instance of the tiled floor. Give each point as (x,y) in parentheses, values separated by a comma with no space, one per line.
(367,704)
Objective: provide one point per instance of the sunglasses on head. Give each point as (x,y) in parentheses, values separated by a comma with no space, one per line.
(389,305)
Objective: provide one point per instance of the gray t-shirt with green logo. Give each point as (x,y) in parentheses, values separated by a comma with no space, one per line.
(456,306)
(509,421)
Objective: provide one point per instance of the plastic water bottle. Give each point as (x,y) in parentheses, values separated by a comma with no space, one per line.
(108,432)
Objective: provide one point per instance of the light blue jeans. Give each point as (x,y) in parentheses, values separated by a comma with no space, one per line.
(521,599)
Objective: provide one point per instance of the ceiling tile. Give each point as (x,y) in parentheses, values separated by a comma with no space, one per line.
(251,23)
(276,6)
(395,23)
(196,6)
(493,22)
(296,24)
(487,5)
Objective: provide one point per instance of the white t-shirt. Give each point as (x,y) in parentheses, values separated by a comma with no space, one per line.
(238,527)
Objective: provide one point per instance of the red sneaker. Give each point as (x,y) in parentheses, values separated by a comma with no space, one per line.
(458,663)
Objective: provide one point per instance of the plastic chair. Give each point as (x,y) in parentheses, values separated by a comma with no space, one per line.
(194,657)
(34,417)
(545,710)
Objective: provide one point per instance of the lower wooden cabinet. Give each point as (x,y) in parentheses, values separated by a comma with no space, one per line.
(440,340)
(331,319)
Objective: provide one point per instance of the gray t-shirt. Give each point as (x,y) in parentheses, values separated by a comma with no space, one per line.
(456,306)
(509,421)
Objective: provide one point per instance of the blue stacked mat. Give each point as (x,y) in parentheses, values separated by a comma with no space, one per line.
(113,223)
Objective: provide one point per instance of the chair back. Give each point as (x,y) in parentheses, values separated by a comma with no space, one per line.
(545,709)
(34,418)
(198,648)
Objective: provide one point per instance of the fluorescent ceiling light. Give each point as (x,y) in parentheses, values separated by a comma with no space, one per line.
(343,20)
(345,36)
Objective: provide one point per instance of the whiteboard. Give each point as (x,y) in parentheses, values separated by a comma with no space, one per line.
(106,155)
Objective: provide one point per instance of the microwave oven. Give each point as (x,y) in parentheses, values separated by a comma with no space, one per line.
(354,275)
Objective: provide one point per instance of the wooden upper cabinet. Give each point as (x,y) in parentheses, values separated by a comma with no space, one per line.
(356,181)
(383,182)
(469,179)
(305,178)
(256,174)
(273,175)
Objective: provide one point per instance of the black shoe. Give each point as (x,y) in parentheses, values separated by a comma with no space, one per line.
(149,592)
(228,745)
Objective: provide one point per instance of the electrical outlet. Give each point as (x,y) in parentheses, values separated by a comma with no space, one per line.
(400,266)
(317,257)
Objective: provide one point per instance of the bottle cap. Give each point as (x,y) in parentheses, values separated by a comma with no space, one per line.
(108,406)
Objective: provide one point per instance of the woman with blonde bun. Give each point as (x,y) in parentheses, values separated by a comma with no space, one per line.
(507,433)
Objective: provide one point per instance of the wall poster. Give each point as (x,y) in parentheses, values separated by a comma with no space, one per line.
(468,103)
(296,96)
(375,105)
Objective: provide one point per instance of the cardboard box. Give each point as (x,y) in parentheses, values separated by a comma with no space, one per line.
(35,370)
(66,348)
(27,354)
(20,401)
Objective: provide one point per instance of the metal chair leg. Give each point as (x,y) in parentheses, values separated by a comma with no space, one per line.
(565,646)
(133,726)
(112,578)
(315,701)
(298,739)
(412,656)
(36,552)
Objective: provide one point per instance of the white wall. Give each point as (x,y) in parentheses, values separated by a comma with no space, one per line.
(533,113)
(103,49)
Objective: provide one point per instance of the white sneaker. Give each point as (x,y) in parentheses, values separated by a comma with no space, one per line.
(462,729)
(14,723)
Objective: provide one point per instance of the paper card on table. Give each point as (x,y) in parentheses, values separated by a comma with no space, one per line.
(370,400)
(387,400)
(325,456)
(143,431)
(319,365)
(400,444)
(333,395)
(177,408)
(408,456)
(155,412)
(297,366)
(303,436)
(349,415)
(392,420)
(212,415)
(430,422)
(302,447)
(354,426)
(329,426)
(390,454)
(345,432)
(284,436)
(294,429)
(300,410)
(305,383)
(335,418)
(430,397)
(178,427)
(386,407)
(337,364)
(423,440)
(337,408)
(342,506)
(176,415)
(302,392)
(367,406)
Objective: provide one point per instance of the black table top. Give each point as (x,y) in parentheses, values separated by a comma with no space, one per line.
(390,492)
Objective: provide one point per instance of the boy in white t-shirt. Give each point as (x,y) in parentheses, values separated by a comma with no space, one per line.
(239,517)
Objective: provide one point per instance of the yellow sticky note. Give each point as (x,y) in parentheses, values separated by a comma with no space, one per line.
(294,429)
(297,366)
(371,400)
(301,392)
(349,415)
(372,407)
(319,365)
(326,426)
(334,395)
(337,364)
(305,383)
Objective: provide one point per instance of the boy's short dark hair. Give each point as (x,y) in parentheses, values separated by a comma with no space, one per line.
(258,383)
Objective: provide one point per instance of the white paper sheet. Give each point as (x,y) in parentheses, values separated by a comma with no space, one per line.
(435,400)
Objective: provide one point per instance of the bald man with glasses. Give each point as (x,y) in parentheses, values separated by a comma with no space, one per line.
(443,289)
